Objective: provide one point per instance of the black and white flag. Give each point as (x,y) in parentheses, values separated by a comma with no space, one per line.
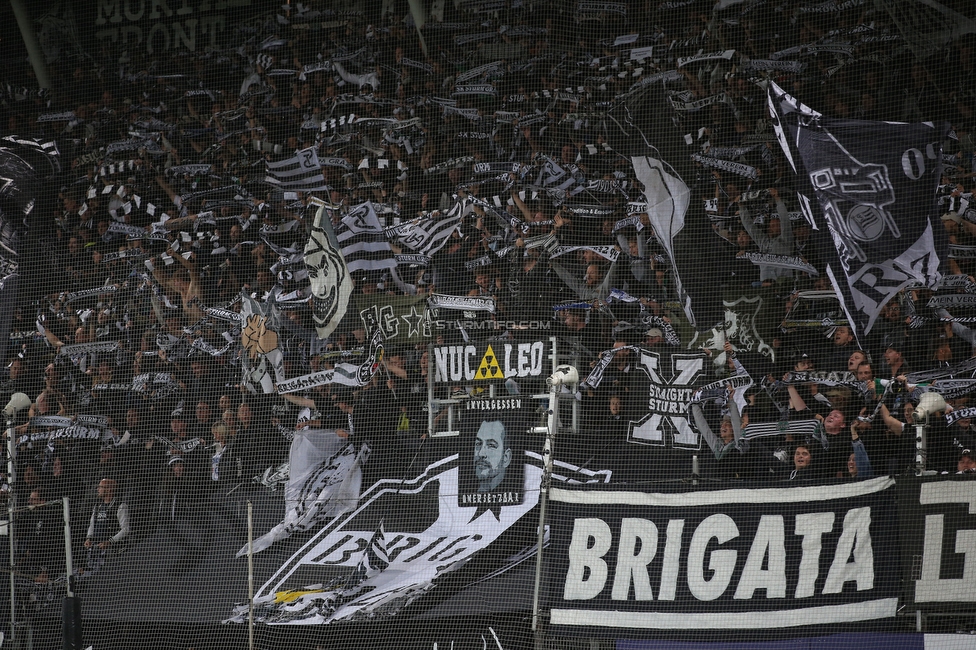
(667,200)
(429,234)
(328,275)
(300,173)
(325,478)
(362,241)
(875,183)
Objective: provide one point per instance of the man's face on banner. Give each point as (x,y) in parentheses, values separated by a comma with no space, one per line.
(492,455)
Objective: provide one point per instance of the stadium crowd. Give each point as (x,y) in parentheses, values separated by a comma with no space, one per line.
(168,212)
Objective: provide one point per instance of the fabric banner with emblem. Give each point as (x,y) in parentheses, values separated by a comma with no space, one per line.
(403,320)
(328,275)
(672,380)
(324,481)
(751,320)
(300,173)
(411,536)
(362,240)
(874,185)
(428,234)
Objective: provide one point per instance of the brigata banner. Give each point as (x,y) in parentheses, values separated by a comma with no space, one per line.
(938,540)
(624,562)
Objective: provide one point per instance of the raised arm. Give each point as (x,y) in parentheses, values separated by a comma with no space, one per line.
(861,460)
(893,424)
(785,225)
(755,233)
(520,204)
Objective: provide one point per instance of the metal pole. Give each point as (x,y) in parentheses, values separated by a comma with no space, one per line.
(71,631)
(68,564)
(11,509)
(250,575)
(921,448)
(563,375)
(30,41)
(430,389)
(543,492)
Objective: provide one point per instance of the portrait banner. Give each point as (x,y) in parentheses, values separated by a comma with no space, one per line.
(490,443)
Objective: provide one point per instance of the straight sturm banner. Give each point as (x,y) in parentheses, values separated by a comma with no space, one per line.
(625,562)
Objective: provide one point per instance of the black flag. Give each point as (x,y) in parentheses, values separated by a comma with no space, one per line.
(872,187)
(26,203)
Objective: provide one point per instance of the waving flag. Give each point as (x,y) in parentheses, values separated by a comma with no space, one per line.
(875,186)
(263,365)
(667,199)
(428,234)
(362,241)
(328,275)
(300,173)
(324,481)
(25,200)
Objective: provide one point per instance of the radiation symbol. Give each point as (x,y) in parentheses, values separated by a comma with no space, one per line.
(488,368)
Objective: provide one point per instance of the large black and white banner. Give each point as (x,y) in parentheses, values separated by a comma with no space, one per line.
(402,540)
(624,562)
(750,326)
(938,524)
(875,186)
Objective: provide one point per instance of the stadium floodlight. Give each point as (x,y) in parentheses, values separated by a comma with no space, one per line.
(930,402)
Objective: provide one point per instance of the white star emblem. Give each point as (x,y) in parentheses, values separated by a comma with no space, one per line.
(414,321)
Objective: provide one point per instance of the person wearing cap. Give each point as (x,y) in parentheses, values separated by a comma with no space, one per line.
(42,544)
(587,326)
(894,358)
(807,391)
(191,449)
(966,463)
(654,338)
(181,514)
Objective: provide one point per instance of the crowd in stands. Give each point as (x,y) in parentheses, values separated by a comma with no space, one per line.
(165,217)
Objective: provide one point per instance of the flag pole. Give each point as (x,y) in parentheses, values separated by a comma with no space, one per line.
(30,42)
(250,575)
(18,402)
(71,626)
